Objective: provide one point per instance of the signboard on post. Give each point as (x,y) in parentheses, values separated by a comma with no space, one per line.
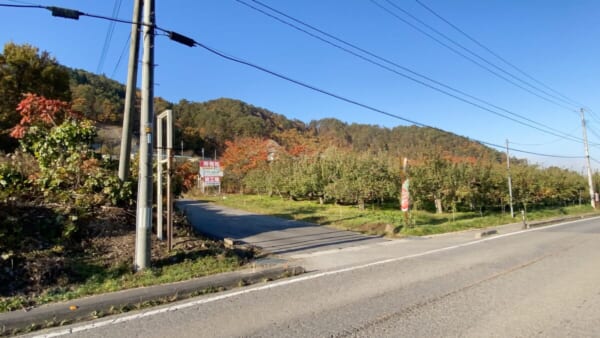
(405,196)
(210,174)
(212,181)
(210,164)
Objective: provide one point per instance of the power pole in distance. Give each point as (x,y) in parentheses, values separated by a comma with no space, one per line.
(144,198)
(510,197)
(587,159)
(134,47)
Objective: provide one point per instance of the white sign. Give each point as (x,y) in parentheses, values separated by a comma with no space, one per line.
(204,172)
(212,181)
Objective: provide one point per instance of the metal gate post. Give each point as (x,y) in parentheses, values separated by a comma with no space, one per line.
(168,115)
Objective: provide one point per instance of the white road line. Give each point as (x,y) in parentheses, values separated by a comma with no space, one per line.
(288,282)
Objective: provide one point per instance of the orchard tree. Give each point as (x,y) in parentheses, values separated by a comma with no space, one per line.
(428,182)
(359,179)
(487,184)
(526,185)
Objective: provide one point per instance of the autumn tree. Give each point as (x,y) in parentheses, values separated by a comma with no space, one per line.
(243,155)
(24,69)
(297,143)
(60,140)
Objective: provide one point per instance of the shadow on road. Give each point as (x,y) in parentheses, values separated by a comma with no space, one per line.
(272,234)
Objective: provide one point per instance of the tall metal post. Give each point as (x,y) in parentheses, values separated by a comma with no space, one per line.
(160,155)
(587,159)
(170,155)
(510,196)
(168,116)
(144,198)
(134,47)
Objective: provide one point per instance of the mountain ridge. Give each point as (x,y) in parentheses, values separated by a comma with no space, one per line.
(208,125)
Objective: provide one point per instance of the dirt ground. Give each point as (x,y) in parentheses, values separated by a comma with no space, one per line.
(105,240)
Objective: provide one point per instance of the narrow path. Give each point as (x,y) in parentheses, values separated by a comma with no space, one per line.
(272,234)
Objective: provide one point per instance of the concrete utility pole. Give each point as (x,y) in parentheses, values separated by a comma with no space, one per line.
(134,47)
(510,197)
(587,159)
(144,198)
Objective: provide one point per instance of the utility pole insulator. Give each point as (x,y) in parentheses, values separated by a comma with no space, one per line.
(64,12)
(182,39)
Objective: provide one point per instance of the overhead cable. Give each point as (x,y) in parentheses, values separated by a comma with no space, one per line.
(191,42)
(121,56)
(533,124)
(109,34)
(468,36)
(472,60)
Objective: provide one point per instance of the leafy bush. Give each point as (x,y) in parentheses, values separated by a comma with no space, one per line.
(57,168)
(11,180)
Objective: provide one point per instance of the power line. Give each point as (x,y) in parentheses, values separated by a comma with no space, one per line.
(121,56)
(463,54)
(525,151)
(21,2)
(342,98)
(109,35)
(475,55)
(496,54)
(550,130)
(21,6)
(593,132)
(305,85)
(74,14)
(594,115)
(542,144)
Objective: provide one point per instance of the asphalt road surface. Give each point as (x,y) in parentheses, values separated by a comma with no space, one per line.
(541,282)
(273,234)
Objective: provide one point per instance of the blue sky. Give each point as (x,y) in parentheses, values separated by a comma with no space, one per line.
(554,41)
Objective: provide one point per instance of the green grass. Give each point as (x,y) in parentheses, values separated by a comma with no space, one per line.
(373,219)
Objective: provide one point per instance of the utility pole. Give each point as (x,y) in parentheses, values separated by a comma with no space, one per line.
(587,159)
(144,198)
(134,47)
(510,197)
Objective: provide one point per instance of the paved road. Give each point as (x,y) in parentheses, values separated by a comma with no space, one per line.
(541,282)
(275,235)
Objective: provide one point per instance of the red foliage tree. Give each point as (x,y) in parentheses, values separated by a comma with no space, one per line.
(39,111)
(244,154)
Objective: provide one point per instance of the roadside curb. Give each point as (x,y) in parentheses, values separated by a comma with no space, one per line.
(533,224)
(92,307)
(486,233)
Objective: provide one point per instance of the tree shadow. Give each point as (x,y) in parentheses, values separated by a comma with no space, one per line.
(276,234)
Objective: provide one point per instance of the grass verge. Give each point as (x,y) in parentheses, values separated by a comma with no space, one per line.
(378,220)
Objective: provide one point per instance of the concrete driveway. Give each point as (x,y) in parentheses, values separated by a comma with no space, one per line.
(272,234)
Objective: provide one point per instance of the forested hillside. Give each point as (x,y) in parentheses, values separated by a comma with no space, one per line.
(210,124)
